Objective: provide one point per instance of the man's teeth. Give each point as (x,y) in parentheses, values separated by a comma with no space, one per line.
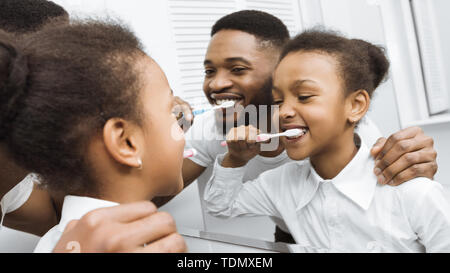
(220,102)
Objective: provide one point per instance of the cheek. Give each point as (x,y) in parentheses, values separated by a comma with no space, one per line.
(325,118)
(252,85)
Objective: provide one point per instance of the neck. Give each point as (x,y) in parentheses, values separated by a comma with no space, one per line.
(11,174)
(329,163)
(114,189)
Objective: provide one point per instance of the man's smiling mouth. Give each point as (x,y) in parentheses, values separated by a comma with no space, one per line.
(220,98)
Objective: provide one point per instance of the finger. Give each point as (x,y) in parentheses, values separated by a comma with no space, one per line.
(127,212)
(70,226)
(252,135)
(147,229)
(419,170)
(187,112)
(398,150)
(407,133)
(174,243)
(409,160)
(377,147)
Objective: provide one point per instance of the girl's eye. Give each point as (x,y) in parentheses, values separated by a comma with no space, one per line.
(277,102)
(302,98)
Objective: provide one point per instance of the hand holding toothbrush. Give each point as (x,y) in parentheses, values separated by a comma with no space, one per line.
(242,146)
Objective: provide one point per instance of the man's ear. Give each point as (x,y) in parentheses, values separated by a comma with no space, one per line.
(358,104)
(121,139)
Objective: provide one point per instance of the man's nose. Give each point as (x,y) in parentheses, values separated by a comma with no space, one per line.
(219,82)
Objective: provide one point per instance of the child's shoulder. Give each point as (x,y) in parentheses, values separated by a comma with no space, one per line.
(420,187)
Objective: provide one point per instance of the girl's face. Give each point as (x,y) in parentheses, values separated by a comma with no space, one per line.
(164,139)
(309,92)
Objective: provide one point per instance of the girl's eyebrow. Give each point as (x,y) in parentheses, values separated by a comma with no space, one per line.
(298,83)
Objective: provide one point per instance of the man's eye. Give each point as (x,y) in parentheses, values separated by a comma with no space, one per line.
(238,69)
(208,71)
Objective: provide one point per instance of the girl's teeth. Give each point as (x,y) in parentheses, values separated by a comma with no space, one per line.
(304,131)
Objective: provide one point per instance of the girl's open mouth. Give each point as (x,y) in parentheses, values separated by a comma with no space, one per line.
(293,139)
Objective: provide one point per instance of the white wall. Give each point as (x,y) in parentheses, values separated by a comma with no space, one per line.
(441,132)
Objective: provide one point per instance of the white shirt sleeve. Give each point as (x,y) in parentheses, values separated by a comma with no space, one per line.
(429,213)
(18,195)
(202,136)
(227,196)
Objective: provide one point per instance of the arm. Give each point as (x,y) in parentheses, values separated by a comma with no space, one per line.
(191,171)
(227,196)
(429,214)
(135,227)
(405,155)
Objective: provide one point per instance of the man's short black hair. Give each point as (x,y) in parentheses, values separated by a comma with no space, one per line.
(263,25)
(21,16)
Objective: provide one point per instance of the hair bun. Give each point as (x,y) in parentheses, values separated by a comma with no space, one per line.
(13,78)
(379,64)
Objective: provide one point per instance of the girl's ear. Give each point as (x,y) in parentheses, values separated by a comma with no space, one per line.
(358,104)
(122,140)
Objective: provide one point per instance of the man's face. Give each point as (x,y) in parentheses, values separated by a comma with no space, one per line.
(238,68)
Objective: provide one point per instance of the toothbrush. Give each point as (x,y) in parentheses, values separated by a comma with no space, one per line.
(265,137)
(189,153)
(226,104)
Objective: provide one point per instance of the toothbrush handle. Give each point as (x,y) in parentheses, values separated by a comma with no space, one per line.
(259,138)
(198,112)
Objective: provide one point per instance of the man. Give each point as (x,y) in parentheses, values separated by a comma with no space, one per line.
(34,210)
(242,54)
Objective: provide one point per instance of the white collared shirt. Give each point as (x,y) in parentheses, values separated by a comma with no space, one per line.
(17,196)
(205,137)
(349,213)
(74,207)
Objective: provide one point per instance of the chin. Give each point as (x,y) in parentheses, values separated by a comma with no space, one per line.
(297,155)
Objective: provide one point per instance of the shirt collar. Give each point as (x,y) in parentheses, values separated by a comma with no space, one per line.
(356,181)
(75,207)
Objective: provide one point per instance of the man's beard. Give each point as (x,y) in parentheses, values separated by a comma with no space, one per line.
(262,99)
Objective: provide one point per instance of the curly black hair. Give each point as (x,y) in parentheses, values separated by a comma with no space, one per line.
(262,25)
(61,86)
(21,16)
(362,65)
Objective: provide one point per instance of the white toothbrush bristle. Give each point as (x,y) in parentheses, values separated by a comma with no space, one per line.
(293,132)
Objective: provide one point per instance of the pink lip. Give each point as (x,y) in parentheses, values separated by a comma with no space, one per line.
(291,126)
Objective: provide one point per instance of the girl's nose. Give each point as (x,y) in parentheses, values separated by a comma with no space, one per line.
(286,111)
